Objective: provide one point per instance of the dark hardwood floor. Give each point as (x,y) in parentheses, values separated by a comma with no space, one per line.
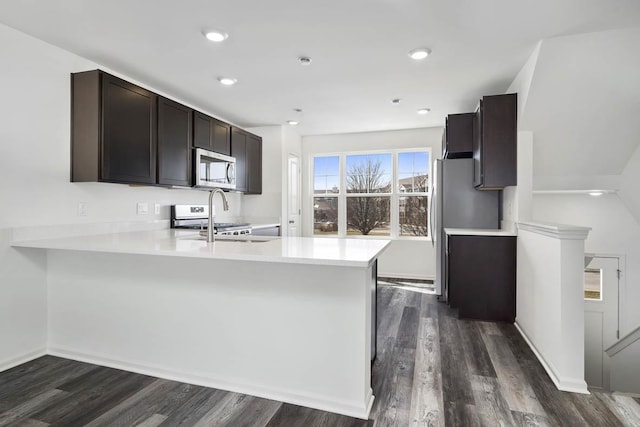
(432,370)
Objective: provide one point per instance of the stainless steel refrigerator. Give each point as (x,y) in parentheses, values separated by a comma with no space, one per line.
(456,204)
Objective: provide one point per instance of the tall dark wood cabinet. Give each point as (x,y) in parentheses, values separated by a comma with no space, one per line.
(174,143)
(211,134)
(254,162)
(481,275)
(247,150)
(495,142)
(239,151)
(113,136)
(457,141)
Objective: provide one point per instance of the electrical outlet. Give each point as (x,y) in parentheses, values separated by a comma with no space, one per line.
(156,208)
(82,209)
(143,208)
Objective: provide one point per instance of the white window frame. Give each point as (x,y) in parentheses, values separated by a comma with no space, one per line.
(342,195)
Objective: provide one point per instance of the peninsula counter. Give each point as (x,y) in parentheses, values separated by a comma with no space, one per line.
(289,319)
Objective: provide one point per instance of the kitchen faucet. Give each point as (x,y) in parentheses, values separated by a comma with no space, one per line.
(225,205)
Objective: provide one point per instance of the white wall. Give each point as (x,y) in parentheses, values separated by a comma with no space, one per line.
(629,189)
(403,258)
(613,231)
(34,181)
(271,205)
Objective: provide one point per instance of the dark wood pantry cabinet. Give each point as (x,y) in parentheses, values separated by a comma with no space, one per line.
(174,143)
(113,136)
(211,134)
(495,142)
(247,149)
(457,141)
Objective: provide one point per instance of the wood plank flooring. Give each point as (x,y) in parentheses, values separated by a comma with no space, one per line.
(432,369)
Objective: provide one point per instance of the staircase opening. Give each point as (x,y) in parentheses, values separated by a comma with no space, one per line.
(601,316)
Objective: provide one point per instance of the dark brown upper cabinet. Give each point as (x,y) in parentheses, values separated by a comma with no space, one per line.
(254,162)
(113,137)
(211,134)
(247,150)
(495,142)
(174,143)
(457,141)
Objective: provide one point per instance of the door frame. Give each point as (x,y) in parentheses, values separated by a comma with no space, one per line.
(606,372)
(285,225)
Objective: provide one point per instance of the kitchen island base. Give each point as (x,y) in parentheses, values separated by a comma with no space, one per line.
(296,333)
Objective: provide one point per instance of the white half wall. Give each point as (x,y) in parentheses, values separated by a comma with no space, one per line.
(549,299)
(403,258)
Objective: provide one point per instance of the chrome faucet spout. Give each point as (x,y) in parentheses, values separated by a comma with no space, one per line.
(211,236)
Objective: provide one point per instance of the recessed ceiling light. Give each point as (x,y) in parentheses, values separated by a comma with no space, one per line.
(227,81)
(424,111)
(216,36)
(305,60)
(419,53)
(596,193)
(395,101)
(292,122)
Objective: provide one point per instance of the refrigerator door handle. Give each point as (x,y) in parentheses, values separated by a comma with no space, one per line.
(431,217)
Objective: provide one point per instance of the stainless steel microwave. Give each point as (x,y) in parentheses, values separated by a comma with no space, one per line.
(214,170)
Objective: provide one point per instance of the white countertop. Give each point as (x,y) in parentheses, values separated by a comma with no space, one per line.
(181,243)
(478,232)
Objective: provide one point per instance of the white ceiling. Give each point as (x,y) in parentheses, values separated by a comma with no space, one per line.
(359,50)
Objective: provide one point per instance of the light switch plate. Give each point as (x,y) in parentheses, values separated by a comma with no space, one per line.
(156,208)
(82,209)
(143,208)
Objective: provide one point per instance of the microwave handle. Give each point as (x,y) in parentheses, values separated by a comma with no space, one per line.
(230,170)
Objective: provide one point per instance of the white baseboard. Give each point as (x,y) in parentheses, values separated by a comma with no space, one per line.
(311,401)
(574,385)
(19,360)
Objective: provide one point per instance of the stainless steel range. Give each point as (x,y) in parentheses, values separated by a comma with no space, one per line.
(195,217)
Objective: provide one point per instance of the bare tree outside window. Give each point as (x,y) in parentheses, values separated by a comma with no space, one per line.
(365,214)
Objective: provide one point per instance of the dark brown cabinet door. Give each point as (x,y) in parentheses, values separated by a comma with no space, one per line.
(239,151)
(128,132)
(458,137)
(495,142)
(247,149)
(254,165)
(221,137)
(174,143)
(482,276)
(211,134)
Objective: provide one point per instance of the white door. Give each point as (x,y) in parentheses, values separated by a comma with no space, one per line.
(601,327)
(293,196)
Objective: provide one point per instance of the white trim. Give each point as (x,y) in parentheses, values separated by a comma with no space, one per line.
(624,342)
(23,358)
(557,231)
(323,403)
(574,385)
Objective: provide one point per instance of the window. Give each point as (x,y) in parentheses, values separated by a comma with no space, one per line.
(593,284)
(368,184)
(372,194)
(326,181)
